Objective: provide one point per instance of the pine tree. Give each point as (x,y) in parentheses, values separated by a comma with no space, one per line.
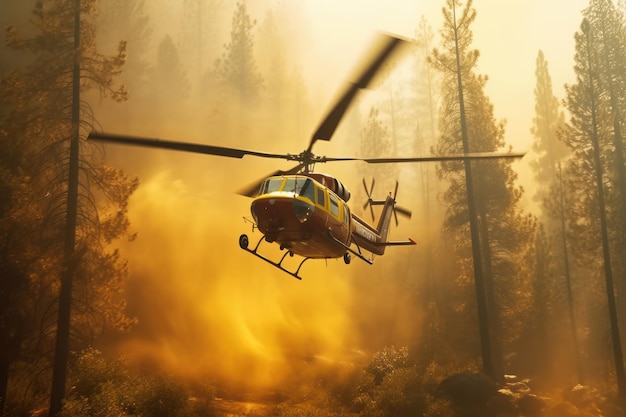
(426,82)
(274,60)
(284,92)
(127,20)
(236,83)
(426,86)
(170,77)
(237,70)
(552,273)
(546,124)
(198,35)
(375,142)
(505,233)
(608,25)
(37,128)
(592,176)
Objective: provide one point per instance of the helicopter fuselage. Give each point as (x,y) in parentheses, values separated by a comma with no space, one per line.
(307,215)
(302,216)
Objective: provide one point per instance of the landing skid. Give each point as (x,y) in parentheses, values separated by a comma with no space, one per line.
(244,242)
(346,256)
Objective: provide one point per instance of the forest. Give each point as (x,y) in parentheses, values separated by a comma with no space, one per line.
(123,291)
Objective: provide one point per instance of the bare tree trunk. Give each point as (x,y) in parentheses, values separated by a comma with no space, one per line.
(479,279)
(4,379)
(59,374)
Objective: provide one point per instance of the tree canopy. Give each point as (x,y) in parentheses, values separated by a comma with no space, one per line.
(36,126)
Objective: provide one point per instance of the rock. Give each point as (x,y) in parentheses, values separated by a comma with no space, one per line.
(468,390)
(530,405)
(580,395)
(518,388)
(503,404)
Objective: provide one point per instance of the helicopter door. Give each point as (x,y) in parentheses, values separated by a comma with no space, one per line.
(337,219)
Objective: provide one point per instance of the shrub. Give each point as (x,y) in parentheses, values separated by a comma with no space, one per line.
(100,388)
(386,361)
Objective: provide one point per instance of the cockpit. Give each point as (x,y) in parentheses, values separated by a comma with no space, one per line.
(296,185)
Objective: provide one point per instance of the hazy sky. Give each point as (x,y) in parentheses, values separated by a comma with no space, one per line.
(508,33)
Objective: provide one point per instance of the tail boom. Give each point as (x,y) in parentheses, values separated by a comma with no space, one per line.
(373,239)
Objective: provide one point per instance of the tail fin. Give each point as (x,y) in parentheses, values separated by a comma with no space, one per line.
(389,208)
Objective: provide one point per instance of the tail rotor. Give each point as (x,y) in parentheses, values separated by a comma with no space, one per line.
(371,202)
(397,209)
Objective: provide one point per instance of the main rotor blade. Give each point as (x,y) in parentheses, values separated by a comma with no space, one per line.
(181,146)
(326,129)
(466,157)
(252,189)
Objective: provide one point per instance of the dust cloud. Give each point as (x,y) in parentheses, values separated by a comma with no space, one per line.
(206,309)
(209,311)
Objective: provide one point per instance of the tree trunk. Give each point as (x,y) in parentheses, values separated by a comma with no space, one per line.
(65,297)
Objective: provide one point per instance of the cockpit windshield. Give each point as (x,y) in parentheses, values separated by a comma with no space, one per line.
(301,186)
(297,185)
(270,185)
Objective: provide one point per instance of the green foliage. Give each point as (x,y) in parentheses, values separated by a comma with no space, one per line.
(391,384)
(237,69)
(305,411)
(169,73)
(101,388)
(28,388)
(396,395)
(401,387)
(549,118)
(163,396)
(386,361)
(37,125)
(599,59)
(126,19)
(596,233)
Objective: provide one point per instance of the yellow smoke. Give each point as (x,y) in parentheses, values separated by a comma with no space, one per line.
(206,307)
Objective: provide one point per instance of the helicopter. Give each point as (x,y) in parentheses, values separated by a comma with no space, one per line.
(306,212)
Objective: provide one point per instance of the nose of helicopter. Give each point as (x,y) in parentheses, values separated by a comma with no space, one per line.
(280,213)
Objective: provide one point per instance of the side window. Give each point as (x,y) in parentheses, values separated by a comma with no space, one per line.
(346,215)
(334,205)
(321,200)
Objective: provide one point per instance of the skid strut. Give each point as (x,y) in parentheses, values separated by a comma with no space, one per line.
(358,253)
(244,243)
